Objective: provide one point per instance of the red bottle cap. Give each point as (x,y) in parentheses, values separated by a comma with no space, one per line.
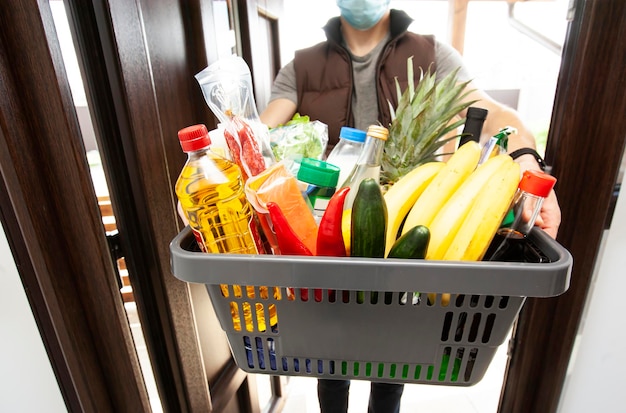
(193,138)
(537,183)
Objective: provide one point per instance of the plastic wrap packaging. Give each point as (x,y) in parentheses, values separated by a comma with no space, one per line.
(227,89)
(299,138)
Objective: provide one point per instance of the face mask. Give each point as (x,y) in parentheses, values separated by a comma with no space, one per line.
(362,14)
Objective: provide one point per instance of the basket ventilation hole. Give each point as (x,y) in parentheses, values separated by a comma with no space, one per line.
(474,328)
(272,352)
(459,300)
(460,327)
(470,364)
(260,317)
(445,360)
(388,298)
(474,300)
(447,322)
(331,367)
(345,295)
(381,369)
(489,301)
(291,294)
(285,364)
(234,315)
(237,290)
(392,371)
(307,365)
(504,302)
(373,297)
(491,319)
(457,364)
(247,316)
(332,296)
(304,294)
(356,369)
(224,290)
(317,293)
(320,367)
(259,352)
(418,372)
(405,371)
(344,368)
(296,365)
(368,369)
(248,348)
(250,292)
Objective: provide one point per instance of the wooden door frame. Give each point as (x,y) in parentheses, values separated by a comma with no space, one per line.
(585,146)
(53,225)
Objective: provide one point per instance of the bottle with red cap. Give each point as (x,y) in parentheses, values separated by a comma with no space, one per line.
(510,243)
(211,192)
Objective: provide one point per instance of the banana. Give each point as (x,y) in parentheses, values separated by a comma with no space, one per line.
(483,220)
(444,184)
(403,194)
(447,221)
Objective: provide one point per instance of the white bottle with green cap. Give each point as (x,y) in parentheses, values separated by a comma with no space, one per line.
(321,180)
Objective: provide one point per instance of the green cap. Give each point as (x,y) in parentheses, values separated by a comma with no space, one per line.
(318,173)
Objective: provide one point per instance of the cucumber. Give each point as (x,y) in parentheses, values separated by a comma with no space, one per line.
(369,221)
(412,244)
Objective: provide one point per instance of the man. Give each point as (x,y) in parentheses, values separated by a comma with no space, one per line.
(347,81)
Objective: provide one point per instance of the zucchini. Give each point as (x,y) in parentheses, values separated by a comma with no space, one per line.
(368,224)
(413,244)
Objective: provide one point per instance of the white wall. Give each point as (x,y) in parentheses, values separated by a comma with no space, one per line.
(596,376)
(27,382)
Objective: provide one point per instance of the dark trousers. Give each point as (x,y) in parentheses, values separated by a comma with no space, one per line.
(333,396)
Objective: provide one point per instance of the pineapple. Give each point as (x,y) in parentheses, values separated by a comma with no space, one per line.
(421,122)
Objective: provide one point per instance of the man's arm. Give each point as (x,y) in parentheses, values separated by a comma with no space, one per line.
(500,116)
(278,111)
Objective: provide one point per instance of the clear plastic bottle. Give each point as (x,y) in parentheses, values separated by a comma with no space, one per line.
(368,164)
(510,243)
(345,154)
(211,193)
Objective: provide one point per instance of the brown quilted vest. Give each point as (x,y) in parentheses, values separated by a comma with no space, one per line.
(324,73)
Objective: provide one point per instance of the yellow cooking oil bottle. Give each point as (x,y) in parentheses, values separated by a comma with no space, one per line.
(210,189)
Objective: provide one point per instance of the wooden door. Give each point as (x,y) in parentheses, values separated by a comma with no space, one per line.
(138,61)
(585,146)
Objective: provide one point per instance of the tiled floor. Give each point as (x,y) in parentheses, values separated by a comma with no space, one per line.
(480,398)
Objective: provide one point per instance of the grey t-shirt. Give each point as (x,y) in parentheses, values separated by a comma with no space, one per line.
(364,102)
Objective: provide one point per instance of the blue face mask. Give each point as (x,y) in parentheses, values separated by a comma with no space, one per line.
(363,14)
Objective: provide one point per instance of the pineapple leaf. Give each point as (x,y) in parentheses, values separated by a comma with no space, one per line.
(423,121)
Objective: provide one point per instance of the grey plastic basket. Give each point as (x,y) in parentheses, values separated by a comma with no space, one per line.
(374,319)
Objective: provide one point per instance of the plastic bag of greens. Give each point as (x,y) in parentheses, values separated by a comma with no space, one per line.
(299,138)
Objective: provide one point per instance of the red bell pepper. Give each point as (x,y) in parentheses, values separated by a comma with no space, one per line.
(288,241)
(329,235)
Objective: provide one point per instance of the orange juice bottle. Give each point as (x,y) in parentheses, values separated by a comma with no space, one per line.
(276,184)
(211,192)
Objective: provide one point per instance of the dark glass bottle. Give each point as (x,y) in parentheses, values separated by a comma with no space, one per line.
(510,243)
(473,128)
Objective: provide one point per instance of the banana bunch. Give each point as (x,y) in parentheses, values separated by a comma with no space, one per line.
(461,204)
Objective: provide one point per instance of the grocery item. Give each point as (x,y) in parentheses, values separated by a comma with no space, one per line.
(473,128)
(422,121)
(448,219)
(227,89)
(329,235)
(321,179)
(299,138)
(484,218)
(277,184)
(403,194)
(368,224)
(510,243)
(368,164)
(347,151)
(411,245)
(460,165)
(211,194)
(497,144)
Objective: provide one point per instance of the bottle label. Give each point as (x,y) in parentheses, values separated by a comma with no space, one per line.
(199,239)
